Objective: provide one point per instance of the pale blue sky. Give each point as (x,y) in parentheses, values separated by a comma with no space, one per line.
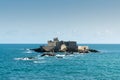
(36,21)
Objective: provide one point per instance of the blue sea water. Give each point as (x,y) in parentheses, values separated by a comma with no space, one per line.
(93,66)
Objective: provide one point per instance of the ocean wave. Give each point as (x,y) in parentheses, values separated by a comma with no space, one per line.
(40,58)
(25,58)
(27,51)
(60,56)
(37,62)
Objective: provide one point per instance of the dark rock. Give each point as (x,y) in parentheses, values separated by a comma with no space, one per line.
(48,54)
(93,50)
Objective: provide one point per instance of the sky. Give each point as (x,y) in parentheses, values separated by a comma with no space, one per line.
(36,21)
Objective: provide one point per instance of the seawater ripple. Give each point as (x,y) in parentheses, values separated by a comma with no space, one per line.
(93,66)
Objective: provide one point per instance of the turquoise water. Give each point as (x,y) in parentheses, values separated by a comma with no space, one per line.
(93,66)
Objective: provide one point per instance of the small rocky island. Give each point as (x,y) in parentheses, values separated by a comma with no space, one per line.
(69,47)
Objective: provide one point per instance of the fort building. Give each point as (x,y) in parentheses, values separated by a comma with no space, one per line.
(56,45)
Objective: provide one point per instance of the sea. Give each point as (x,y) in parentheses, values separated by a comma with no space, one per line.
(15,64)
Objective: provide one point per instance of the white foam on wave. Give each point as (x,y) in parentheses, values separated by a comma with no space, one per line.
(58,55)
(71,55)
(17,58)
(40,58)
(27,51)
(24,58)
(37,62)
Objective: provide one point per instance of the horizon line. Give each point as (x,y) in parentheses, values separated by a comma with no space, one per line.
(46,43)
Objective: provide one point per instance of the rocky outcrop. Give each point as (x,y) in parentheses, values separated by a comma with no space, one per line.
(68,51)
(63,46)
